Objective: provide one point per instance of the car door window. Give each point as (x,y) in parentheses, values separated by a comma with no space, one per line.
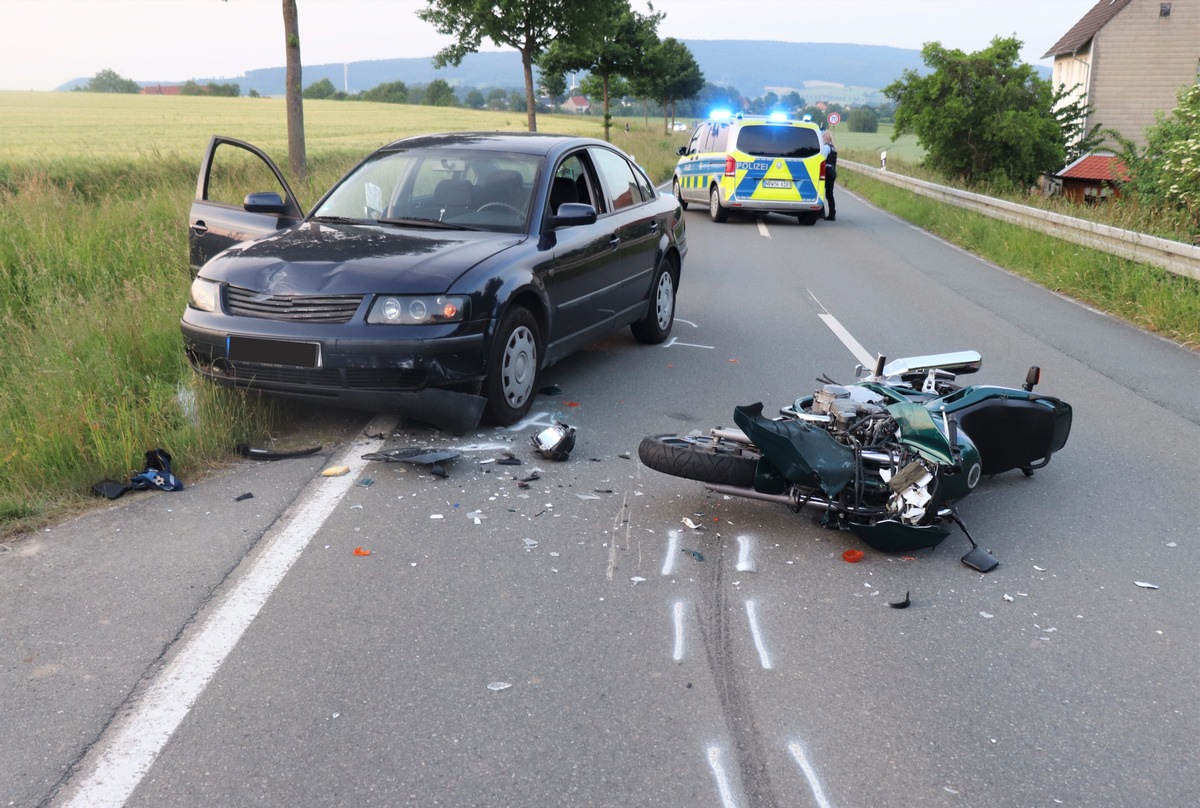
(620,185)
(644,185)
(235,172)
(696,145)
(720,140)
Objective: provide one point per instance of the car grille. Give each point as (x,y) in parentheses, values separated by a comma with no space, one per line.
(295,308)
(329,378)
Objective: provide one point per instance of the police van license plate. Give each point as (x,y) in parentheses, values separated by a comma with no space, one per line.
(777,183)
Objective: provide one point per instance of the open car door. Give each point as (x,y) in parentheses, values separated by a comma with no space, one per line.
(223,212)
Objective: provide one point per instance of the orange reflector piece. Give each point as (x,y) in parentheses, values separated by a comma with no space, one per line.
(852,556)
(361,551)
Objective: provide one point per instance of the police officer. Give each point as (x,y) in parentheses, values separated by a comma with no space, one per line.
(829,152)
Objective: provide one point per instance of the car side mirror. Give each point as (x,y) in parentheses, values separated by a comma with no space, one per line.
(683,150)
(573,214)
(269,202)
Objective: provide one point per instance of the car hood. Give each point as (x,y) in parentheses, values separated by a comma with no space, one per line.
(318,258)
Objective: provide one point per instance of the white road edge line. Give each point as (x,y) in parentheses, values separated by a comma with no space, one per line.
(723,785)
(762,229)
(797,750)
(115,766)
(839,331)
(752,618)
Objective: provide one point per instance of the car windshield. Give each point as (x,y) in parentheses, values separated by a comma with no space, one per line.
(473,189)
(779,141)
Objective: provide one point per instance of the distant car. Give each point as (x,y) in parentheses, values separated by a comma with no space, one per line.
(437,278)
(755,164)
(679,126)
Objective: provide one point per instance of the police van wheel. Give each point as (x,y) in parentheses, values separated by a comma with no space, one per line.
(808,219)
(715,211)
(679,196)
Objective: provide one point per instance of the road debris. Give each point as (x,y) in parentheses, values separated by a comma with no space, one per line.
(852,556)
(902,604)
(243,497)
(336,471)
(496,687)
(245,450)
(555,442)
(361,551)
(696,554)
(1146,585)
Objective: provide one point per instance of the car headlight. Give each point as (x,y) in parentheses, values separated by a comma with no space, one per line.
(418,309)
(204,295)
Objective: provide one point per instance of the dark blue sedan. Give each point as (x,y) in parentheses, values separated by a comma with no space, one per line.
(437,278)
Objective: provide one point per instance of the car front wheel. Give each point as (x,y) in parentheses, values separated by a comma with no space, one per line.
(718,213)
(512,368)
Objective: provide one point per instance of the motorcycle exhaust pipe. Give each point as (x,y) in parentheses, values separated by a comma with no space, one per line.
(750,493)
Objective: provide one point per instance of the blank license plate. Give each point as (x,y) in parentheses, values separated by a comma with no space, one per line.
(777,183)
(274,352)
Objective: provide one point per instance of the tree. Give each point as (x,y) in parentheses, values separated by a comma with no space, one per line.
(862,119)
(295,102)
(439,93)
(671,75)
(1168,169)
(553,84)
(617,47)
(984,117)
(109,81)
(529,26)
(320,89)
(391,92)
(474,99)
(1072,118)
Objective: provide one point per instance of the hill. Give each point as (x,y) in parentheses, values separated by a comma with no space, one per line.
(818,71)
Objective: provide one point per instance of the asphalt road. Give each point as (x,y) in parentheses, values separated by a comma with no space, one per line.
(574,643)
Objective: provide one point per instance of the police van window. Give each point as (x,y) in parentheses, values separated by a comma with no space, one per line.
(618,180)
(697,143)
(720,140)
(779,141)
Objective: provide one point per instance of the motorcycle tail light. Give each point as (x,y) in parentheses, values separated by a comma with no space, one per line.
(730,165)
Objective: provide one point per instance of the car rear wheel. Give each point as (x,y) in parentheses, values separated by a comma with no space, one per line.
(808,219)
(512,368)
(660,316)
(718,213)
(675,189)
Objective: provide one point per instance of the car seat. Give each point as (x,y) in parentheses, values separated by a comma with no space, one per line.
(562,190)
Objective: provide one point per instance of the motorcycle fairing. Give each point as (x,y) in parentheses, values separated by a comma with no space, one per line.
(918,430)
(890,536)
(800,452)
(1011,428)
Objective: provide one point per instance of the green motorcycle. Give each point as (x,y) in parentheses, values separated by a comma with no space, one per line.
(887,457)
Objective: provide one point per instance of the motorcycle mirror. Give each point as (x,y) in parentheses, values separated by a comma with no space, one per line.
(879,363)
(1032,377)
(980,559)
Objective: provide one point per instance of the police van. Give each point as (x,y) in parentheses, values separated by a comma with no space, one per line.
(754,164)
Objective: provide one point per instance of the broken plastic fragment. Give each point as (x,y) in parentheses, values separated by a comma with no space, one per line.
(496,687)
(587,496)
(852,556)
(1009,598)
(692,524)
(696,554)
(637,579)
(335,471)
(555,442)
(243,497)
(550,390)
(361,551)
(903,604)
(366,482)
(1145,585)
(987,615)
(530,543)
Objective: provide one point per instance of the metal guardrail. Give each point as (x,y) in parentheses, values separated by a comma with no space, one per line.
(1173,256)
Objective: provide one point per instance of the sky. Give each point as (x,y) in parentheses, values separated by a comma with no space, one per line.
(46,43)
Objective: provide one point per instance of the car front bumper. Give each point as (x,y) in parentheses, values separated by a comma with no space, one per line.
(412,376)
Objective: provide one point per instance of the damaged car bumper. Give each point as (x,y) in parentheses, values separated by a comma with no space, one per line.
(416,377)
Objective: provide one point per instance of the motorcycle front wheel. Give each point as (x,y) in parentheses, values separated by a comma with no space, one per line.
(702,459)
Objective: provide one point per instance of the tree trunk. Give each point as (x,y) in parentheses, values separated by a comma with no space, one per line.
(607,115)
(530,105)
(295,101)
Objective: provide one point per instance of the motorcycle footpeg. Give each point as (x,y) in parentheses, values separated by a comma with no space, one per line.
(980,559)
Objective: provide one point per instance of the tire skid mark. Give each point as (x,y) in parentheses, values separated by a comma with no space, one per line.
(732,692)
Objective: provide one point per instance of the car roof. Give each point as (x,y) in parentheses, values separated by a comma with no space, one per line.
(528,142)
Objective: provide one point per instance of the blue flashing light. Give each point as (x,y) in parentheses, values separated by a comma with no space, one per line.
(777,116)
(720,115)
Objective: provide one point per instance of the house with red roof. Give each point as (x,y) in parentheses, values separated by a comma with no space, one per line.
(1093,178)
